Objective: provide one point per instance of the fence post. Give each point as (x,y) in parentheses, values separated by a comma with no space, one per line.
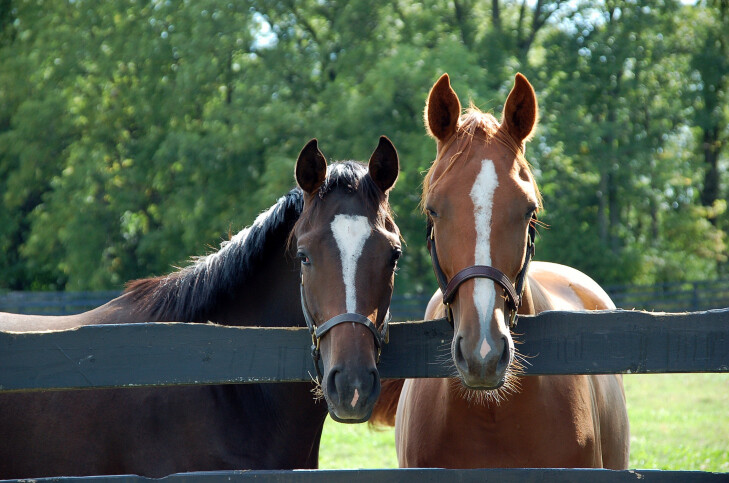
(695,296)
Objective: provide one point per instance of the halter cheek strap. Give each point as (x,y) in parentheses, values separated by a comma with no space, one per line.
(450,288)
(381,337)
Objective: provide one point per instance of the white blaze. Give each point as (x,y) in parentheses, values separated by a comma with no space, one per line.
(484,293)
(350,232)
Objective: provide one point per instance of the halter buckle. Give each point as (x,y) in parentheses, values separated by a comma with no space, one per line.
(512,319)
(449,314)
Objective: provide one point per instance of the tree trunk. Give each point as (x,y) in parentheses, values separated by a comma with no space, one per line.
(602,195)
(496,15)
(710,190)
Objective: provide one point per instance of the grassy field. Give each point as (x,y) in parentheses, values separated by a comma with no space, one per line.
(677,421)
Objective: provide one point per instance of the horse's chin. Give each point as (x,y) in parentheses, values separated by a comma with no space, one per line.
(347,413)
(481,394)
(483,387)
(353,419)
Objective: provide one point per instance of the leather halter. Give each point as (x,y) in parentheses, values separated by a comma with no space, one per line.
(512,294)
(381,336)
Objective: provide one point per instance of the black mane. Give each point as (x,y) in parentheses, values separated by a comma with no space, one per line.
(190,293)
(187,295)
(345,175)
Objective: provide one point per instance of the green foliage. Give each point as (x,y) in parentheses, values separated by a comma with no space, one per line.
(135,134)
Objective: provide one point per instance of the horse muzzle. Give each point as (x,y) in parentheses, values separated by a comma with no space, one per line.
(482,372)
(351,394)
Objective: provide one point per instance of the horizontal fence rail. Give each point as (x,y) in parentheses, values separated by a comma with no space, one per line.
(421,475)
(183,353)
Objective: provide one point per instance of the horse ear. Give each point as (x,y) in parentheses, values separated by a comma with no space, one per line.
(520,111)
(384,166)
(442,110)
(311,167)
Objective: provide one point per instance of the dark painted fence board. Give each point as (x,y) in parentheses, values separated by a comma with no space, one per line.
(418,475)
(626,342)
(176,353)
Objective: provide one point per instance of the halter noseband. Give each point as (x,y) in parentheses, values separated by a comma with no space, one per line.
(381,337)
(450,288)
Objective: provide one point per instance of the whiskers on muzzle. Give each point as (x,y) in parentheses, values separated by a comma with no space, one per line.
(444,357)
(486,397)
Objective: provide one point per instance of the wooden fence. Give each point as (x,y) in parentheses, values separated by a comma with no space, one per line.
(176,353)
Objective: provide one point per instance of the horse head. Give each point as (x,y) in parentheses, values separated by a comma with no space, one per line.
(349,245)
(481,201)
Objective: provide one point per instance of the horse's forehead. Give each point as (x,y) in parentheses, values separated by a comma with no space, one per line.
(457,181)
(345,201)
(336,207)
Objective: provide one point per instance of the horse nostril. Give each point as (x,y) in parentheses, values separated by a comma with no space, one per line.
(330,386)
(505,354)
(375,393)
(458,352)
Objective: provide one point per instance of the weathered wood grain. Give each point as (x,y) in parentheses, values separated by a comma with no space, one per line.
(177,353)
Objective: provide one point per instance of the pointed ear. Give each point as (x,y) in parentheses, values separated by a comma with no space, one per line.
(311,167)
(520,111)
(384,166)
(442,110)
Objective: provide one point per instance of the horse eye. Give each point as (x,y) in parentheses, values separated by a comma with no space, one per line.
(530,212)
(396,254)
(304,258)
(431,212)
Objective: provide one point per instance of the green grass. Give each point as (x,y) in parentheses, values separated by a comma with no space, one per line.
(356,446)
(677,421)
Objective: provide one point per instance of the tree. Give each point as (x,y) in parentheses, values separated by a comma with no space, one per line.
(133,134)
(619,112)
(707,96)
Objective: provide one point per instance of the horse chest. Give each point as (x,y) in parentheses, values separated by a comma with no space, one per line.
(547,424)
(154,432)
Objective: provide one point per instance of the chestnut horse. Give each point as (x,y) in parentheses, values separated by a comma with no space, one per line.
(481,200)
(339,222)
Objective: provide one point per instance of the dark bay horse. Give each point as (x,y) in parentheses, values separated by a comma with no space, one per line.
(481,200)
(339,224)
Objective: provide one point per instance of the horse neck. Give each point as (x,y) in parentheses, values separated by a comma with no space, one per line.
(535,299)
(246,286)
(270,296)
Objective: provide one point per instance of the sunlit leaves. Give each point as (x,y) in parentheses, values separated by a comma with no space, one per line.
(134,134)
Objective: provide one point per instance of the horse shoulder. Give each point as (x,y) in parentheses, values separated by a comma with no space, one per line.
(559,287)
(612,419)
(383,414)
(435,308)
